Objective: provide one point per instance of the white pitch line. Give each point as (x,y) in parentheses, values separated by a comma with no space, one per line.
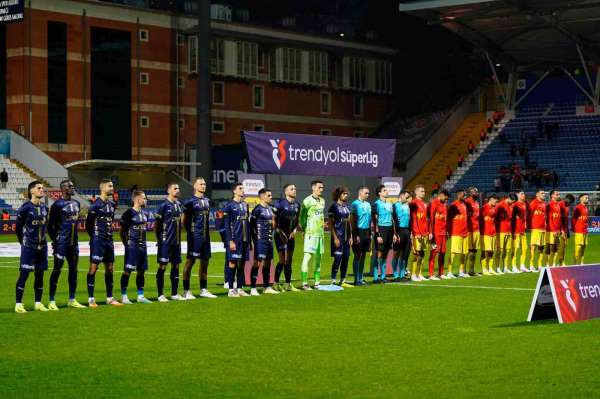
(482,287)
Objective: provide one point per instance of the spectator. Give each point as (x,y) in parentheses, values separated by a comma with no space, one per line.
(448,172)
(435,187)
(497,184)
(116,197)
(461,160)
(3,177)
(513,150)
(471,147)
(5,215)
(555,179)
(93,198)
(489,126)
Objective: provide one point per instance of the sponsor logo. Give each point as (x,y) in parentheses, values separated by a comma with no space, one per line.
(279,153)
(568,294)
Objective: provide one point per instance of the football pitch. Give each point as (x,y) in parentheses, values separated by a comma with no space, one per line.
(457,338)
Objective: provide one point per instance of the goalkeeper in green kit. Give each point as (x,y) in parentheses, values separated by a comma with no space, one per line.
(312,223)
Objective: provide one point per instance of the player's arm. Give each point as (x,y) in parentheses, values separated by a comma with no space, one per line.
(513,221)
(331,221)
(564,219)
(52,222)
(158,223)
(450,219)
(431,212)
(125,221)
(21,220)
(303,216)
(574,218)
(90,220)
(375,221)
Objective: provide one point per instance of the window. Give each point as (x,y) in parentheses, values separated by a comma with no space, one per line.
(144,121)
(192,54)
(291,65)
(181,83)
(57,82)
(359,133)
(144,78)
(258,128)
(261,58)
(325,132)
(180,40)
(217,56)
(355,73)
(258,96)
(383,76)
(218,93)
(358,105)
(318,68)
(325,102)
(181,123)
(143,35)
(218,127)
(247,59)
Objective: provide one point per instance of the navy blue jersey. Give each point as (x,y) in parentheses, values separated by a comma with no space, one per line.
(169,213)
(286,215)
(31,225)
(99,220)
(133,228)
(62,223)
(197,210)
(261,221)
(340,213)
(235,221)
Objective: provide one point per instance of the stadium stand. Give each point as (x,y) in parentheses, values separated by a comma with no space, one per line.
(570,150)
(12,196)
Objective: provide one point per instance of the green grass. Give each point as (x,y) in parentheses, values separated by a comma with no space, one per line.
(397,340)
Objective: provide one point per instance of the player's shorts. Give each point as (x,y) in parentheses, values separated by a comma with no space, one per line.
(387,234)
(552,238)
(488,243)
(314,245)
(33,259)
(168,253)
(404,239)
(64,251)
(102,251)
(459,245)
(282,243)
(342,250)
(420,244)
(520,242)
(241,253)
(136,259)
(364,245)
(440,243)
(263,250)
(198,248)
(580,239)
(538,238)
(474,240)
(505,241)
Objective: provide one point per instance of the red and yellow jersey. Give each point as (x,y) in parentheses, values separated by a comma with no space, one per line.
(488,217)
(418,218)
(472,214)
(537,215)
(457,219)
(437,213)
(579,221)
(564,208)
(554,217)
(520,215)
(504,213)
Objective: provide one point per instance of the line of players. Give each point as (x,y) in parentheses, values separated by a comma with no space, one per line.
(408,223)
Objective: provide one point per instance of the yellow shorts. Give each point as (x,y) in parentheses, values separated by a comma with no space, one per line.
(473,240)
(552,238)
(459,245)
(420,244)
(538,238)
(580,239)
(520,242)
(488,244)
(505,242)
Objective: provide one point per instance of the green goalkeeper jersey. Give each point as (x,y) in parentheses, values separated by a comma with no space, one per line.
(312,216)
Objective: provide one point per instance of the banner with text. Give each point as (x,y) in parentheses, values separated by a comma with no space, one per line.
(567,293)
(303,154)
(11,10)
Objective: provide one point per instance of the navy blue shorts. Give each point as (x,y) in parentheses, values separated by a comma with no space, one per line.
(34,259)
(284,245)
(169,253)
(102,251)
(65,251)
(343,250)
(241,253)
(263,250)
(136,259)
(198,248)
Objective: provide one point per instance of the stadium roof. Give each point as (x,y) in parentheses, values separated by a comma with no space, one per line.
(528,34)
